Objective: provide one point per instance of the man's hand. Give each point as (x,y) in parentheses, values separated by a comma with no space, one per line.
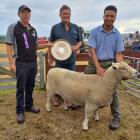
(11,60)
(13,67)
(77,52)
(74,49)
(119,57)
(50,44)
(100,71)
(43,46)
(77,46)
(51,61)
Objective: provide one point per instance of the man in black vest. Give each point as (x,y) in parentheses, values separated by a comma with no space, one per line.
(22,40)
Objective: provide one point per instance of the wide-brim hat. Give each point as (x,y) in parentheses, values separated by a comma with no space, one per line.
(61,50)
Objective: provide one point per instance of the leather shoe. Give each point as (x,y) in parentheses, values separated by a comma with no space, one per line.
(32,110)
(20,118)
(115,123)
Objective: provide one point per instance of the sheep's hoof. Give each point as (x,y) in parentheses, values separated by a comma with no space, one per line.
(66,109)
(97,119)
(48,109)
(85,128)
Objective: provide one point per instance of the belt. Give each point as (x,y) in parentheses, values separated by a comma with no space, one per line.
(112,60)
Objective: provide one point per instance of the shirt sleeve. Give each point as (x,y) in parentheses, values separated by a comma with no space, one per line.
(80,37)
(52,35)
(10,36)
(36,37)
(92,39)
(119,44)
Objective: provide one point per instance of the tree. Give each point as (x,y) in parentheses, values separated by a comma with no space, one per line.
(2,38)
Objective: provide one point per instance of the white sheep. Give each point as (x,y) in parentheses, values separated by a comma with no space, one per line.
(90,90)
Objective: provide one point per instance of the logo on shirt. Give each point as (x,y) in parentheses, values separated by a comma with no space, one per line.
(75,32)
(33,33)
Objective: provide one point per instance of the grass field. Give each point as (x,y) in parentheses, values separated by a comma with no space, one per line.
(7,92)
(67,125)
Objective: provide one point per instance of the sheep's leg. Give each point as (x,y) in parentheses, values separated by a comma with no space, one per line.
(48,104)
(96,115)
(89,108)
(65,105)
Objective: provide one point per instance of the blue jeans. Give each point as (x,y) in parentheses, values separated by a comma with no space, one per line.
(25,74)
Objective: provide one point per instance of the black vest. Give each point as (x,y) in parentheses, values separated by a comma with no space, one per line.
(26,40)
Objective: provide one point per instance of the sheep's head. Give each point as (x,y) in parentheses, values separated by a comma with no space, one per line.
(124,70)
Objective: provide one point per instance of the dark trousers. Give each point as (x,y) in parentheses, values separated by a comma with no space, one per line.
(67,64)
(25,74)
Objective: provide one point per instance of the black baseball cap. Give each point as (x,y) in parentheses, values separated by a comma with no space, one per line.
(23,7)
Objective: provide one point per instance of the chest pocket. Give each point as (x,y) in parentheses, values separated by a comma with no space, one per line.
(74,35)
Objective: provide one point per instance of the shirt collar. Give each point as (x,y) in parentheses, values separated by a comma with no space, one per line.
(30,27)
(64,25)
(102,29)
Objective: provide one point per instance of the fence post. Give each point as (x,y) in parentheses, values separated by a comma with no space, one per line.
(41,70)
(138,66)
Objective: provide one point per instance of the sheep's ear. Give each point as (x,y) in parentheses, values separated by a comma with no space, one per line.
(114,65)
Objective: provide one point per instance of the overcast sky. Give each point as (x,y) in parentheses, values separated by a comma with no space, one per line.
(85,13)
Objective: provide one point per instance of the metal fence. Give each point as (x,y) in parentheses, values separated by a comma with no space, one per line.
(133,86)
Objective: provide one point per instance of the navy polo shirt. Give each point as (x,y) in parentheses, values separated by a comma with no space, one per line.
(73,36)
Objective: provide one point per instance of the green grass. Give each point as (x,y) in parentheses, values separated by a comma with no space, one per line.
(11,91)
(7,83)
(7,92)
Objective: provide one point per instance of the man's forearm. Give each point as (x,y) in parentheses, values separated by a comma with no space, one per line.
(78,45)
(49,52)
(94,57)
(10,54)
(43,46)
(119,57)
